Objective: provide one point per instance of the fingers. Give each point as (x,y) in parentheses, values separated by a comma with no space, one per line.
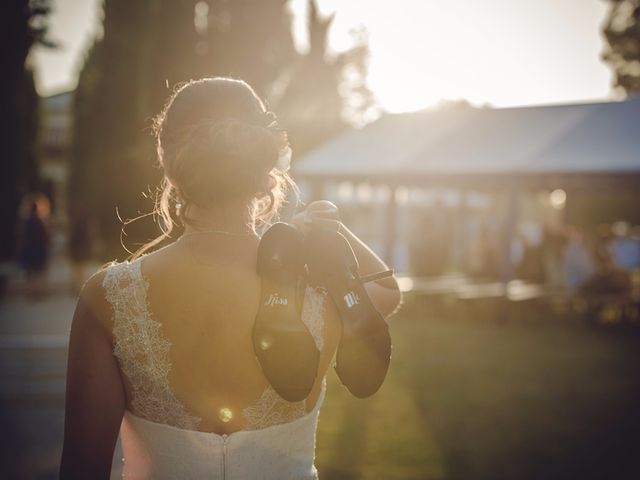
(324,223)
(317,222)
(320,205)
(323,209)
(321,213)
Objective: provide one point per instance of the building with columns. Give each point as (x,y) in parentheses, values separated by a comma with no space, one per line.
(461,175)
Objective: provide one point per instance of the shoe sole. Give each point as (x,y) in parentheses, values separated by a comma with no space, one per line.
(364,351)
(284,347)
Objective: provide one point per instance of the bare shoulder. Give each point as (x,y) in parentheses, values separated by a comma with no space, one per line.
(162,259)
(94,284)
(93,385)
(93,301)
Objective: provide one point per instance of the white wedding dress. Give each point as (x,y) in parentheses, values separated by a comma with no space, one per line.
(160,439)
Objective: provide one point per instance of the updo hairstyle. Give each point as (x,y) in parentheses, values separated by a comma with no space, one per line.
(216,143)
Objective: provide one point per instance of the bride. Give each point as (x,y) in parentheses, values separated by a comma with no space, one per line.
(160,348)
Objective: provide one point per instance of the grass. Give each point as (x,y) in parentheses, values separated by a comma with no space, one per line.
(473,399)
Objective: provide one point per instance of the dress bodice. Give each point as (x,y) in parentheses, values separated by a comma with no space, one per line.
(160,438)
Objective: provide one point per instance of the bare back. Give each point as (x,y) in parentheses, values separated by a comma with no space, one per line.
(205,299)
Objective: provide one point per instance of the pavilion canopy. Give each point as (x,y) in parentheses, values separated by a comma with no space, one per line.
(461,141)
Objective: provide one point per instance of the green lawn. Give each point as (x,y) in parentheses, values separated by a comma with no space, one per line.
(471,399)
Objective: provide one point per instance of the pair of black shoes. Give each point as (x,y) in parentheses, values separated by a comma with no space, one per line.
(284,347)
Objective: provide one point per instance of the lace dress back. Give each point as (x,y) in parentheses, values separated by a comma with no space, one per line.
(143,356)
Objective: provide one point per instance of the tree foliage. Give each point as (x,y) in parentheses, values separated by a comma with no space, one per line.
(323,93)
(622,32)
(23,23)
(148,47)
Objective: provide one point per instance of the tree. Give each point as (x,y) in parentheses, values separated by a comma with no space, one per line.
(324,93)
(23,23)
(148,47)
(622,32)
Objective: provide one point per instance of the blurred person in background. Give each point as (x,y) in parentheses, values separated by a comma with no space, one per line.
(608,278)
(553,245)
(578,260)
(34,248)
(624,248)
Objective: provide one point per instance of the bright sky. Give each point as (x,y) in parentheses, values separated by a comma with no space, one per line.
(502,52)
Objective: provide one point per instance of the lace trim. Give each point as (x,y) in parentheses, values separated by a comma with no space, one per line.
(142,351)
(144,355)
(271,408)
(313,313)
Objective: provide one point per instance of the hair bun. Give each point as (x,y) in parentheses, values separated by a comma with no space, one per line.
(251,145)
(225,158)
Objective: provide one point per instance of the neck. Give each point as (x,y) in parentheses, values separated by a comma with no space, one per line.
(232,217)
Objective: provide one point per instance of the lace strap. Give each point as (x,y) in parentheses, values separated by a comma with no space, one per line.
(141,349)
(126,290)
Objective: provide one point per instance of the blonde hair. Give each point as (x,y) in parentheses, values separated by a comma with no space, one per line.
(217,142)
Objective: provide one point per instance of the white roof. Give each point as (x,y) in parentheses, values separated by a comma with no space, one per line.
(557,139)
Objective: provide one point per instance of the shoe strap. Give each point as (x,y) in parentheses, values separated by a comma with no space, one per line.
(376,276)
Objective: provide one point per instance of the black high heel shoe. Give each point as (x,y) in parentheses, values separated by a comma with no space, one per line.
(282,343)
(364,352)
